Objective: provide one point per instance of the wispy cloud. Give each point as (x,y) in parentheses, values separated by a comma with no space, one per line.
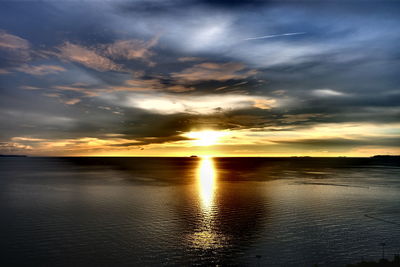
(214,72)
(29,139)
(72,101)
(40,70)
(87,57)
(101,57)
(19,49)
(275,35)
(4,71)
(28,87)
(13,42)
(327,93)
(13,147)
(188,59)
(80,88)
(131,49)
(131,85)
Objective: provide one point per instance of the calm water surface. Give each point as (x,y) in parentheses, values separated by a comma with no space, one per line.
(196,211)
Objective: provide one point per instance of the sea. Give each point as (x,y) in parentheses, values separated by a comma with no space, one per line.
(197,211)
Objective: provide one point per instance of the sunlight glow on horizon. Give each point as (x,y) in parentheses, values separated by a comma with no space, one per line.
(316,141)
(205,138)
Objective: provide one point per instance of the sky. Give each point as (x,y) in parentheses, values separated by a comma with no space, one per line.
(183,77)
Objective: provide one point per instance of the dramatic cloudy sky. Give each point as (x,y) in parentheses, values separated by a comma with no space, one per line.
(148,77)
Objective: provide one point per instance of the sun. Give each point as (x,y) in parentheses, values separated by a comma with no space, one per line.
(205,138)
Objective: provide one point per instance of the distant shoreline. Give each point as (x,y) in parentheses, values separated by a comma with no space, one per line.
(13,156)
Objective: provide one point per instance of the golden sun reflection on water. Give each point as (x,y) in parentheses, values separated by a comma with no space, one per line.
(206,182)
(205,235)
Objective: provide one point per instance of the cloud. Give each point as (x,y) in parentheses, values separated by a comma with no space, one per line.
(296,118)
(340,71)
(179,88)
(274,35)
(81,88)
(70,146)
(131,85)
(38,119)
(347,142)
(214,72)
(327,93)
(264,103)
(87,57)
(150,140)
(14,49)
(146,85)
(4,71)
(12,42)
(72,101)
(172,104)
(13,147)
(139,85)
(130,49)
(28,87)
(29,139)
(189,59)
(206,33)
(100,57)
(218,32)
(40,70)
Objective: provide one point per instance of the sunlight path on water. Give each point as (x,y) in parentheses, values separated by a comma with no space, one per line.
(207,183)
(205,236)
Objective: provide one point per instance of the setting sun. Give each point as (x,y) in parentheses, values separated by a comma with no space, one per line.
(205,138)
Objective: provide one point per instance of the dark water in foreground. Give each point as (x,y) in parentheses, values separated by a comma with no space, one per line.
(192,211)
